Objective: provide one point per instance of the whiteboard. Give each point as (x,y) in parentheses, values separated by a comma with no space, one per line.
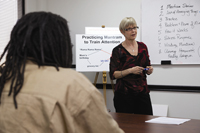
(171,30)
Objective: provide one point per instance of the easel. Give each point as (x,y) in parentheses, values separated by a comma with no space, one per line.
(104,81)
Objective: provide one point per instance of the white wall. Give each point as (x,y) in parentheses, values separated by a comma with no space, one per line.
(181,104)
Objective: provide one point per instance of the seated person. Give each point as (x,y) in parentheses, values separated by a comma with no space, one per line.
(39,92)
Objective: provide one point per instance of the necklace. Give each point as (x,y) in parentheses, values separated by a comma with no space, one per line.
(132,49)
(129,47)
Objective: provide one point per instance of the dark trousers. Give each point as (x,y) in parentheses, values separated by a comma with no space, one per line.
(137,103)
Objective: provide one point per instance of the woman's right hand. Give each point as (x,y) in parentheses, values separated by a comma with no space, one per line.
(136,70)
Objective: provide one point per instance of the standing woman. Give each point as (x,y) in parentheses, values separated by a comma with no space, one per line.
(129,64)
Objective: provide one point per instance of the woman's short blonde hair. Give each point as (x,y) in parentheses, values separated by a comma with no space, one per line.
(126,22)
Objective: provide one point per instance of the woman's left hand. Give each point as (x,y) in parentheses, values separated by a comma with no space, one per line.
(150,71)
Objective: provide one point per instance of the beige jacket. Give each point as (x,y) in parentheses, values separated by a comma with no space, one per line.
(52,101)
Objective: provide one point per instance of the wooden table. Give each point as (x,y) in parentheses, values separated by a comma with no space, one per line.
(133,123)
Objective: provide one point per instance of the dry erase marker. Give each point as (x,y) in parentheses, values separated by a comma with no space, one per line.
(146,69)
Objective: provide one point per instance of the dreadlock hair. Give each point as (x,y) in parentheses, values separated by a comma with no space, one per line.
(41,37)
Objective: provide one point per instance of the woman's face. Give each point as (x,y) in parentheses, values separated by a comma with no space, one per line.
(130,32)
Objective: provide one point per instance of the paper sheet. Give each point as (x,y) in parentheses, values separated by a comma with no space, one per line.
(166,120)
